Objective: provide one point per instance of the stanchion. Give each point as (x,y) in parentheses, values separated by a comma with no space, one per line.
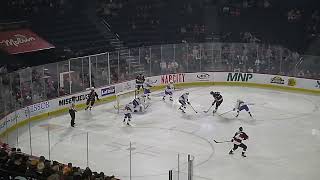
(130,156)
(49,149)
(178,166)
(87,149)
(170,175)
(29,127)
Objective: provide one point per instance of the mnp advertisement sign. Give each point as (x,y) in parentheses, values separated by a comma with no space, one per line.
(22,41)
(239,77)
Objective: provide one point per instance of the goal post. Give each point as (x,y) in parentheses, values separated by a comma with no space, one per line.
(123,98)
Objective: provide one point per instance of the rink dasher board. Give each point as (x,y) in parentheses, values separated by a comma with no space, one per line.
(58,106)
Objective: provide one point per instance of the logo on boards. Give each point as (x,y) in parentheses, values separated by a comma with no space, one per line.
(277,80)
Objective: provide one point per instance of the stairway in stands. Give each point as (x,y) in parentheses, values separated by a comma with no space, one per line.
(132,60)
(72,32)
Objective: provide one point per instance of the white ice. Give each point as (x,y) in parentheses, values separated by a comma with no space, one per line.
(284,138)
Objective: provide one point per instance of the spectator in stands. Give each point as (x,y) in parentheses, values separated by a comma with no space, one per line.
(67,170)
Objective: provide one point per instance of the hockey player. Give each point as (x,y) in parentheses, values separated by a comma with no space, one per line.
(127,113)
(218,99)
(169,91)
(137,104)
(237,142)
(91,99)
(139,81)
(183,100)
(146,86)
(240,105)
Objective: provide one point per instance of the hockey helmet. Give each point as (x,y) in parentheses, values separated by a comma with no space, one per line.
(171,82)
(187,93)
(211,92)
(240,129)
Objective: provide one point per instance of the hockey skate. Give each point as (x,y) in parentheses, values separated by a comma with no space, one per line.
(163,98)
(171,99)
(231,152)
(182,109)
(243,154)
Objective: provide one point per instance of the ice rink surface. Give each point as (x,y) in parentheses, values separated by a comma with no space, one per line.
(284,137)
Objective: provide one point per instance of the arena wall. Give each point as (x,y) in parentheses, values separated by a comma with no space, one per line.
(58,106)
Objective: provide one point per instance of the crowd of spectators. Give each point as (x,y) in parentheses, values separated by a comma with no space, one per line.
(14,164)
(23,8)
(312,27)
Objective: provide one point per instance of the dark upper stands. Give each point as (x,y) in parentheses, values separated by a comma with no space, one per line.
(146,22)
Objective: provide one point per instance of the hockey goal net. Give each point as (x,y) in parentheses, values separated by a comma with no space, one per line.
(123,98)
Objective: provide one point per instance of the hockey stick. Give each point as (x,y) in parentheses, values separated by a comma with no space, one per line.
(193,108)
(208,109)
(225,112)
(220,141)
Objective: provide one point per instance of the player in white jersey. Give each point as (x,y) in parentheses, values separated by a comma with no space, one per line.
(169,91)
(138,104)
(146,86)
(184,100)
(128,109)
(241,105)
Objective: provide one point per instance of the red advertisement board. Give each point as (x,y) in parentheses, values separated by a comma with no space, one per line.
(22,41)
(175,78)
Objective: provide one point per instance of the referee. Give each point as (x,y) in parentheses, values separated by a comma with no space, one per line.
(72,112)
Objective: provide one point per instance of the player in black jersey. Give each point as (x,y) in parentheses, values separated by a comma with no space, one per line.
(218,99)
(91,99)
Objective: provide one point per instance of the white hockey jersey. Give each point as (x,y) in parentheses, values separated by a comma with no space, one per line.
(184,97)
(238,104)
(169,88)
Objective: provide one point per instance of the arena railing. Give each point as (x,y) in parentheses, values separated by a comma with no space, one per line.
(40,83)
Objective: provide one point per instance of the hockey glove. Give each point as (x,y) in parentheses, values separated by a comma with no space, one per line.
(188,102)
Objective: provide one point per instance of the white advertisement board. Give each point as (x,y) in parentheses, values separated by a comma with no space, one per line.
(225,77)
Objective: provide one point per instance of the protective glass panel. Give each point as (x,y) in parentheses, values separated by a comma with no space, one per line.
(51,80)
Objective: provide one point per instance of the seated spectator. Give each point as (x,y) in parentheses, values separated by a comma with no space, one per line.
(67,170)
(87,173)
(40,165)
